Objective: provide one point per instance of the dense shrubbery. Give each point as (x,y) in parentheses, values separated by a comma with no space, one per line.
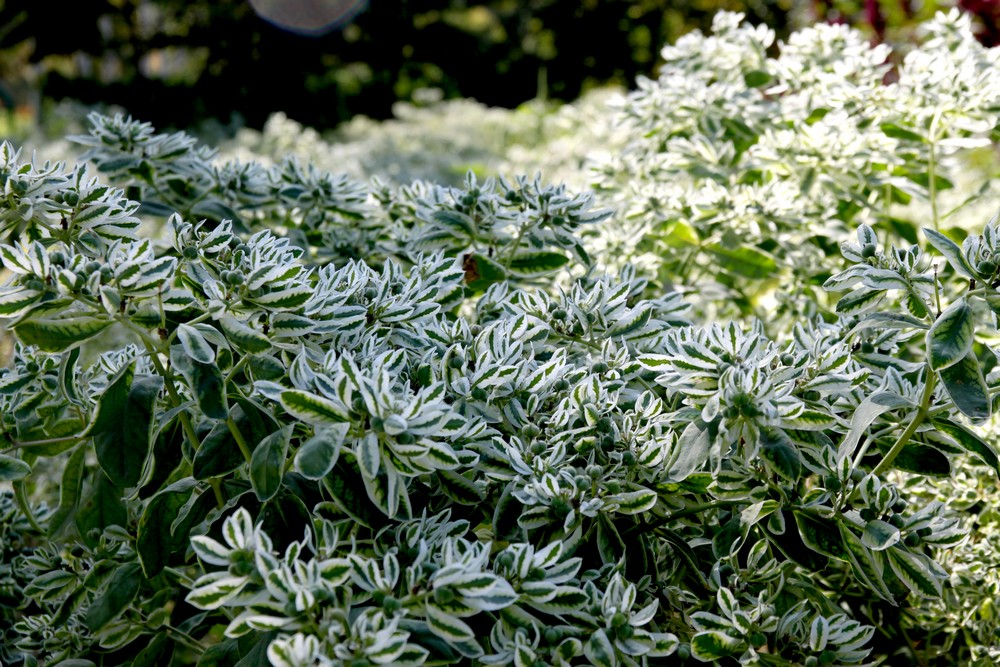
(258,412)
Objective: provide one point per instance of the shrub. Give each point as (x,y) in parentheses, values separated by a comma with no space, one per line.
(272,415)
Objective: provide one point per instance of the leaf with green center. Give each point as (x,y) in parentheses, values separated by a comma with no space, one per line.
(969,441)
(537,263)
(913,570)
(195,344)
(58,334)
(313,409)
(821,535)
(712,645)
(950,337)
(951,252)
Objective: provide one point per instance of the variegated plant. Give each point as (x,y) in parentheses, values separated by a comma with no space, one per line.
(297,419)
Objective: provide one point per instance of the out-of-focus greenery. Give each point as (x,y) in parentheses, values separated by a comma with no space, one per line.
(176,62)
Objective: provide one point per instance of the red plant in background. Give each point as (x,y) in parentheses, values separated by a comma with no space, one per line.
(988,13)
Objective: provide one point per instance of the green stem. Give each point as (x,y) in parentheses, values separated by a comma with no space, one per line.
(517,244)
(915,422)
(238,437)
(48,441)
(168,382)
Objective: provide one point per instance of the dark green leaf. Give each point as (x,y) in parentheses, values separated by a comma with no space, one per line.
(267,465)
(102,507)
(533,263)
(922,460)
(218,454)
(155,542)
(781,455)
(206,383)
(967,388)
(317,456)
(122,448)
(69,492)
(120,591)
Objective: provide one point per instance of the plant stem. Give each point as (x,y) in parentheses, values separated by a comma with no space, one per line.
(48,441)
(168,382)
(915,422)
(932,173)
(238,437)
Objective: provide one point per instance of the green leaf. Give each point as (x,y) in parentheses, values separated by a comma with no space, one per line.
(967,388)
(14,303)
(879,535)
(111,404)
(950,337)
(859,300)
(102,506)
(894,131)
(745,261)
(634,502)
(242,336)
(12,469)
(756,78)
(218,453)
(205,381)
(349,494)
(863,564)
(457,221)
(267,464)
(120,591)
(712,645)
(312,409)
(968,441)
(951,252)
(821,535)
(691,451)
(481,271)
(155,542)
(599,650)
(58,334)
(534,263)
(195,344)
(781,455)
(922,460)
(122,448)
(913,570)
(69,492)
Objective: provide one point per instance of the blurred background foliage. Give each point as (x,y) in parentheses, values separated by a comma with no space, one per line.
(176,62)
(179,63)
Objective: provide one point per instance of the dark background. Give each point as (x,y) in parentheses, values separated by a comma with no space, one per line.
(178,62)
